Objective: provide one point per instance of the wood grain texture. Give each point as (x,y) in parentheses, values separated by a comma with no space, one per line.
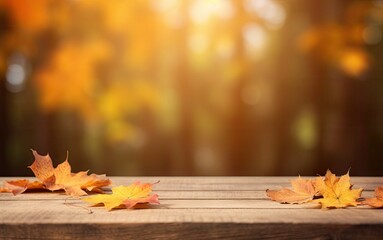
(192,231)
(191,208)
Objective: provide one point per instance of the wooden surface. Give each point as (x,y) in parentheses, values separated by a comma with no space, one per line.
(191,208)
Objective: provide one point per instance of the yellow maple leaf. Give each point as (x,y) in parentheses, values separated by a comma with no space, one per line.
(127,196)
(336,192)
(303,191)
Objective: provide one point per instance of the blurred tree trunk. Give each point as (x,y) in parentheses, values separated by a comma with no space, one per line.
(282,116)
(241,126)
(4,166)
(355,115)
(184,162)
(155,155)
(316,89)
(355,121)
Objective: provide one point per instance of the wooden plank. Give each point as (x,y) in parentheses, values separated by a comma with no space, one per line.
(237,183)
(187,230)
(174,204)
(227,183)
(166,204)
(164,195)
(57,213)
(192,207)
(236,179)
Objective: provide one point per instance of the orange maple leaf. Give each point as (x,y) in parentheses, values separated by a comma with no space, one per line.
(74,183)
(377,201)
(336,192)
(42,167)
(303,191)
(125,196)
(19,186)
(57,178)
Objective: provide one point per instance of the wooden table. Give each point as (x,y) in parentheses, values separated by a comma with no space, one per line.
(191,208)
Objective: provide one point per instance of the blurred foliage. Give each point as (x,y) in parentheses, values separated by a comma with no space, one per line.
(185,87)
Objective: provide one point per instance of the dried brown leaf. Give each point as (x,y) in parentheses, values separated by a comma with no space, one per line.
(377,201)
(302,191)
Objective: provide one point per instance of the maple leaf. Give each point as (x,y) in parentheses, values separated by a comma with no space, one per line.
(61,177)
(42,167)
(336,192)
(74,183)
(377,201)
(127,196)
(57,178)
(19,186)
(303,191)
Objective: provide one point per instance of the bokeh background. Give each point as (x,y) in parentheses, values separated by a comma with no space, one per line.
(192,87)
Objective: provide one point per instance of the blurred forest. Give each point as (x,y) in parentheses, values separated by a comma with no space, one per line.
(192,87)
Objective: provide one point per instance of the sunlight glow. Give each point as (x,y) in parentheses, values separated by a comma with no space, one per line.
(225,48)
(270,11)
(198,43)
(305,129)
(354,62)
(202,10)
(164,5)
(254,37)
(170,9)
(16,74)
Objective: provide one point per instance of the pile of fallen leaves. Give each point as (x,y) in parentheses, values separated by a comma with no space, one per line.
(80,184)
(330,192)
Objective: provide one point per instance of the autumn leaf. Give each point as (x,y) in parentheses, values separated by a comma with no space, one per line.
(125,196)
(19,186)
(336,192)
(303,191)
(42,167)
(59,178)
(74,183)
(377,201)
